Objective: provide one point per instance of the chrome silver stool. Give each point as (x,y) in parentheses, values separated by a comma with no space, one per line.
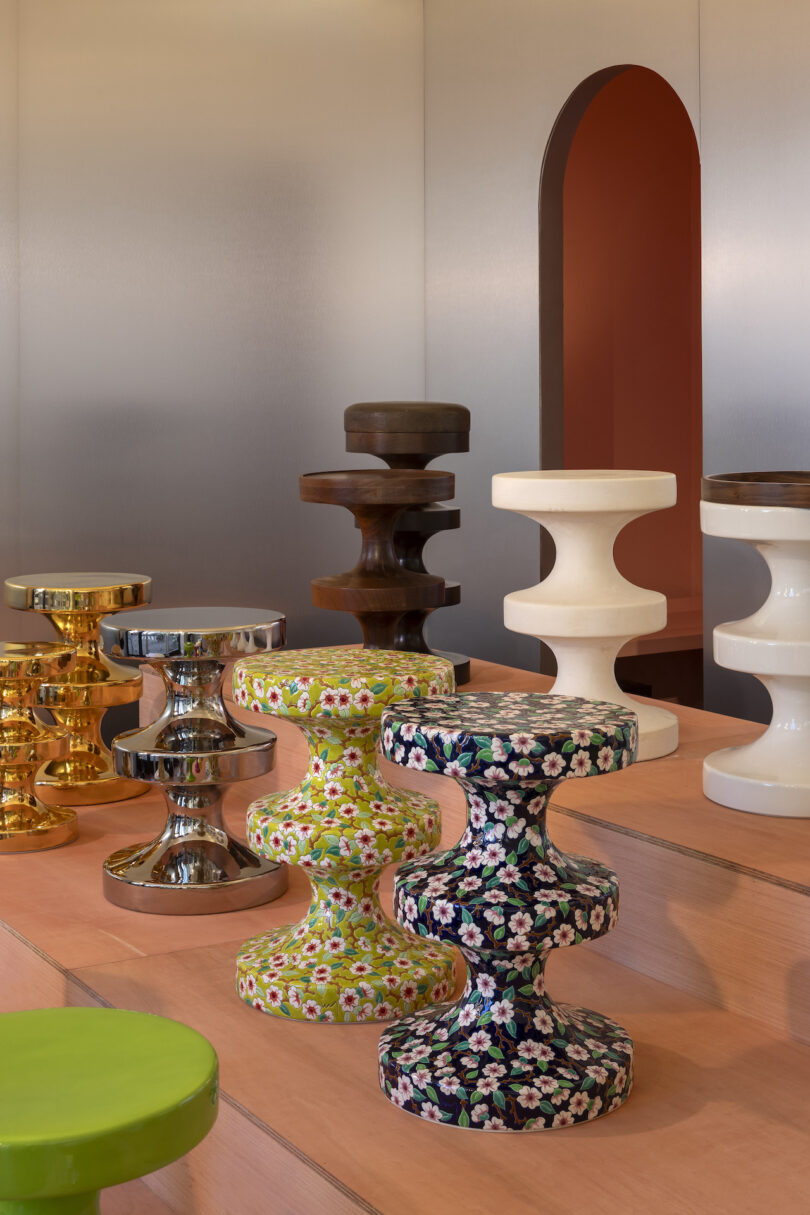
(192,750)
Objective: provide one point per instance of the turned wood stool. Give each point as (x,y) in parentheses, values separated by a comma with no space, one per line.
(346,960)
(409,434)
(27,824)
(93,1097)
(771,511)
(193,751)
(74,604)
(378,591)
(505,1056)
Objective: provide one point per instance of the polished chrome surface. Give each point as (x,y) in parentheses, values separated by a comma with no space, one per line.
(193,857)
(26,823)
(219,633)
(193,749)
(75,603)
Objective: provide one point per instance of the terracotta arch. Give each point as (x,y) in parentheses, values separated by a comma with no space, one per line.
(620,316)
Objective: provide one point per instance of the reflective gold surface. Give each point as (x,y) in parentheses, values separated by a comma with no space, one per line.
(75,603)
(26,823)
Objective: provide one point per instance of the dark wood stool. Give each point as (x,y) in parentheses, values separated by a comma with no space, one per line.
(409,434)
(379,590)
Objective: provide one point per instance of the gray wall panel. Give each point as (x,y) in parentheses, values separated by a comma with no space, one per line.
(221,247)
(9,285)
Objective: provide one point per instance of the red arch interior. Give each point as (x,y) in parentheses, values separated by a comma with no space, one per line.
(631,322)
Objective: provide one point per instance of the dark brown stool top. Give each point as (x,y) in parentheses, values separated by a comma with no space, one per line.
(758,489)
(407,434)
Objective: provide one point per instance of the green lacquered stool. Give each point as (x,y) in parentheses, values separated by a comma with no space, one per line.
(92,1097)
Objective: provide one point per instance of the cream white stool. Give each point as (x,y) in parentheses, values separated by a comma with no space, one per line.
(585,610)
(772,512)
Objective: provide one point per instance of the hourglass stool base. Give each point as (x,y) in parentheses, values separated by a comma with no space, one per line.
(515,1087)
(167,876)
(58,826)
(734,777)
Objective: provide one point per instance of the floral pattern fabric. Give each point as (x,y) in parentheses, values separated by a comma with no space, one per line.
(346,960)
(505,1056)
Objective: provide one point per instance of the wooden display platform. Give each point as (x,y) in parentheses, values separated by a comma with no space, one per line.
(713,902)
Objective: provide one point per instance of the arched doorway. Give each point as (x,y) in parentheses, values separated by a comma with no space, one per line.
(620,335)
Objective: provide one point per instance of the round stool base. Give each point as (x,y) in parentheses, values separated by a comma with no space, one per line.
(398,974)
(577,1069)
(657,730)
(725,781)
(260,884)
(100,789)
(56,827)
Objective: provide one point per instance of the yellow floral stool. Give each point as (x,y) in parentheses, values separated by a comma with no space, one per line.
(346,960)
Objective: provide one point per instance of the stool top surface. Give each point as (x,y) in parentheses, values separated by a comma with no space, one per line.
(404,417)
(91,1097)
(758,489)
(510,736)
(218,633)
(587,489)
(35,659)
(341,682)
(377,487)
(72,592)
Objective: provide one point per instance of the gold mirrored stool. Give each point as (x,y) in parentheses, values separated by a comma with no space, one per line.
(75,603)
(26,823)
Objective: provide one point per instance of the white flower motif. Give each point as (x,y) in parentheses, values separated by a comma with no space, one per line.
(553,764)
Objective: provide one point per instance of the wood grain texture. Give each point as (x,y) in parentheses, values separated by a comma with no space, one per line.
(758,489)
(714,1089)
(714,1123)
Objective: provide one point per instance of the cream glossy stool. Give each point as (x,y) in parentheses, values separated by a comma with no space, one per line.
(770,510)
(585,610)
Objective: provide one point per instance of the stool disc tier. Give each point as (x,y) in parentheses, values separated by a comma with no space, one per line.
(345,961)
(75,603)
(93,1097)
(379,590)
(771,511)
(585,610)
(193,750)
(28,824)
(505,1056)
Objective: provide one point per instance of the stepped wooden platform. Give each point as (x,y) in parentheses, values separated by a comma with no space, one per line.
(709,969)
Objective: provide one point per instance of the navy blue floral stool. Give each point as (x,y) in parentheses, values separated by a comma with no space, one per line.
(505,1057)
